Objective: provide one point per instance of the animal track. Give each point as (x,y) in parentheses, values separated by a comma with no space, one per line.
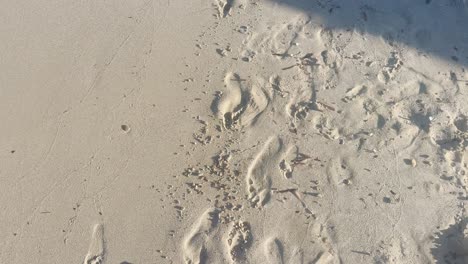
(96,249)
(239,240)
(261,170)
(238,104)
(195,246)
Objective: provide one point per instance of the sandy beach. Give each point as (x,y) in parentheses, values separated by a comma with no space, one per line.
(234,131)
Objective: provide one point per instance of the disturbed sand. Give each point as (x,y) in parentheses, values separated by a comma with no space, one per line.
(234,131)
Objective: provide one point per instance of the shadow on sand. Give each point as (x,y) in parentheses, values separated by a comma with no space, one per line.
(451,244)
(434,27)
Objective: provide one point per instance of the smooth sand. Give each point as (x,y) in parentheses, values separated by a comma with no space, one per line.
(233,131)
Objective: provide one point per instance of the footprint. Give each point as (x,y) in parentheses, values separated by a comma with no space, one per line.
(257,100)
(276,85)
(324,257)
(224,7)
(228,105)
(274,251)
(461,123)
(340,173)
(297,257)
(195,245)
(286,169)
(238,241)
(354,92)
(238,104)
(394,63)
(261,170)
(96,249)
(392,250)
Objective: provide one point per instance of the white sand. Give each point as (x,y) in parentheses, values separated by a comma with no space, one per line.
(234,132)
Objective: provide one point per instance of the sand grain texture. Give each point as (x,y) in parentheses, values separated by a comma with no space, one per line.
(234,131)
